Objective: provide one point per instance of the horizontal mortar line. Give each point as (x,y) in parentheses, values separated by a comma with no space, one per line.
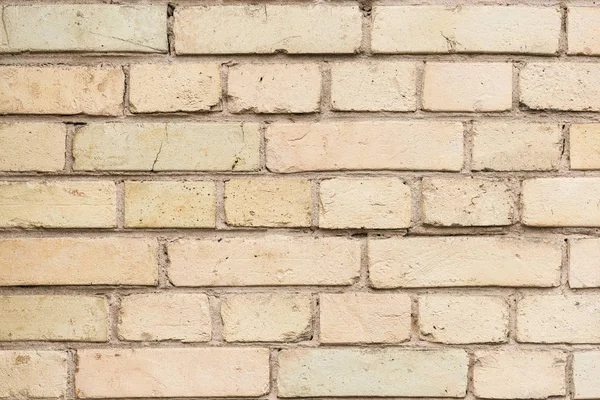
(301,2)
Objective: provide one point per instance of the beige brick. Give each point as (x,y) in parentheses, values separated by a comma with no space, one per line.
(61,90)
(585,146)
(465,29)
(165,316)
(266,317)
(586,374)
(584,263)
(463,261)
(167,147)
(519,374)
(583,30)
(262,202)
(32,146)
(372,372)
(174,87)
(33,374)
(172,372)
(466,202)
(463,319)
(78,261)
(374,86)
(560,86)
(382,203)
(558,319)
(373,145)
(467,86)
(73,318)
(268,260)
(170,204)
(364,318)
(274,88)
(267,28)
(561,202)
(58,204)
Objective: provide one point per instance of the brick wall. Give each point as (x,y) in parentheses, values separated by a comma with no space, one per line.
(286,200)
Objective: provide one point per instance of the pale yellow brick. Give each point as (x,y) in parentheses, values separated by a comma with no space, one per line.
(373,145)
(58,204)
(262,202)
(61,90)
(374,86)
(583,30)
(584,263)
(32,146)
(170,204)
(172,372)
(78,261)
(167,147)
(558,319)
(174,87)
(561,202)
(382,203)
(267,28)
(364,318)
(467,86)
(516,146)
(463,319)
(33,374)
(465,29)
(466,202)
(585,146)
(463,261)
(586,374)
(71,318)
(519,374)
(165,316)
(274,88)
(268,260)
(372,372)
(266,317)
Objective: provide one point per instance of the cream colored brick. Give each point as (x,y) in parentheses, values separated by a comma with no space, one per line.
(467,86)
(172,372)
(174,87)
(465,29)
(268,260)
(519,374)
(72,318)
(585,146)
(584,263)
(372,372)
(364,318)
(262,202)
(560,86)
(267,28)
(373,145)
(466,202)
(165,316)
(167,147)
(558,319)
(61,90)
(170,204)
(583,30)
(561,202)
(374,86)
(463,319)
(515,146)
(33,374)
(364,203)
(78,261)
(266,317)
(586,374)
(274,88)
(463,261)
(32,146)
(58,204)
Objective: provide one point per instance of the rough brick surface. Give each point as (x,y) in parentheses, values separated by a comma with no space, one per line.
(586,371)
(33,373)
(36,146)
(583,30)
(585,146)
(584,263)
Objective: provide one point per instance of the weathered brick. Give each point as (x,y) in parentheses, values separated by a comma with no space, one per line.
(372,372)
(584,146)
(76,318)
(376,145)
(32,146)
(172,372)
(382,203)
(267,260)
(463,261)
(267,28)
(586,374)
(274,88)
(33,374)
(583,30)
(584,263)
(364,318)
(167,147)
